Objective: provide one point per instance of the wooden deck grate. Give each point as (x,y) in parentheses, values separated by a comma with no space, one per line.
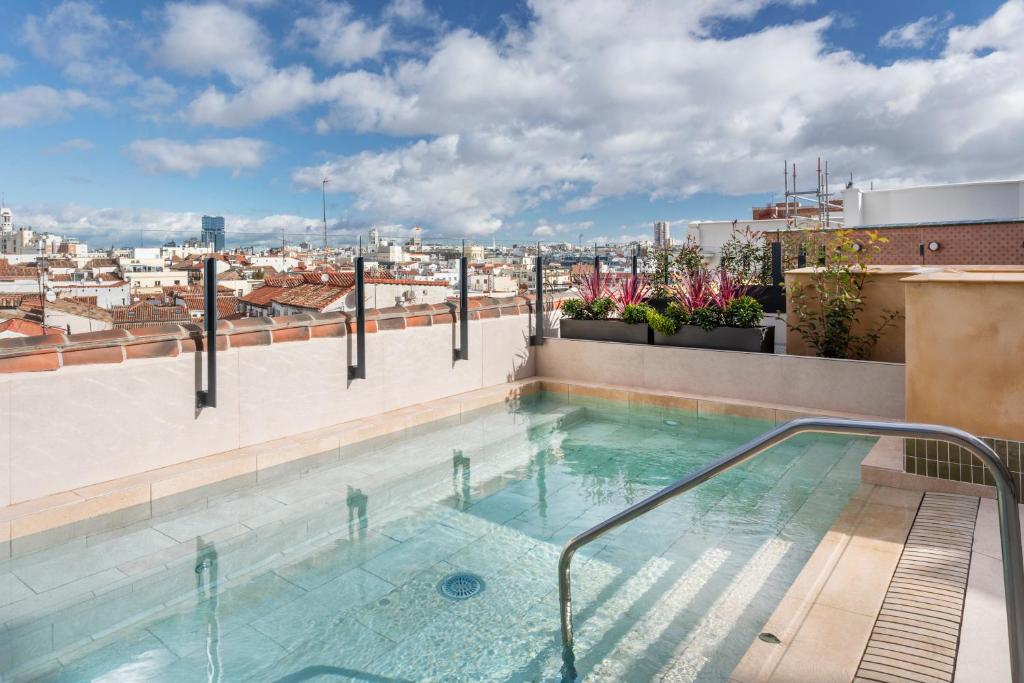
(916,634)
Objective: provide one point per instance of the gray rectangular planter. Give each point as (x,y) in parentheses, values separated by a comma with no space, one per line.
(752,339)
(605,330)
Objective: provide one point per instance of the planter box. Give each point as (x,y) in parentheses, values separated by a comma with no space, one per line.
(605,330)
(752,339)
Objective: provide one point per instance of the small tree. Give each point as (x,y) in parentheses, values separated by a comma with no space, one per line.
(746,257)
(829,307)
(689,260)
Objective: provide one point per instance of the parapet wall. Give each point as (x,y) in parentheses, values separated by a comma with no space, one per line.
(77,410)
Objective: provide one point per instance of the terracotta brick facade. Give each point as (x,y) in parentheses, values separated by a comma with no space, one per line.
(972,244)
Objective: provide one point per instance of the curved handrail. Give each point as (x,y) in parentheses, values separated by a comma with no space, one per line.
(1006,493)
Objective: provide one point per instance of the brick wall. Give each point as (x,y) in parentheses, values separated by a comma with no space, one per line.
(977,244)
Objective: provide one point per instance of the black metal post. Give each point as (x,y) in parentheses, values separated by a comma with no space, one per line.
(462,353)
(358,371)
(208,398)
(634,264)
(597,262)
(777,289)
(538,311)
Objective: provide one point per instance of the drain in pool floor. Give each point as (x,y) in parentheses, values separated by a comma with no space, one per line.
(460,586)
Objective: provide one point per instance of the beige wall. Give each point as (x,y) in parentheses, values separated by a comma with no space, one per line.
(965,351)
(88,424)
(863,387)
(884,290)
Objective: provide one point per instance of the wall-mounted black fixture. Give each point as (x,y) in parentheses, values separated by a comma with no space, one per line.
(776,294)
(538,308)
(208,398)
(358,371)
(801,257)
(462,353)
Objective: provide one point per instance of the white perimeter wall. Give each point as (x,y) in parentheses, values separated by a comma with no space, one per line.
(88,424)
(935,204)
(799,382)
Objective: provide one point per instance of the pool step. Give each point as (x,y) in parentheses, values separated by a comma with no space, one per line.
(137,584)
(646,631)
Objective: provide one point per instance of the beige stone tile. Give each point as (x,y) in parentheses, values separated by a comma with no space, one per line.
(885,495)
(884,527)
(846,522)
(710,407)
(674,402)
(827,649)
(762,658)
(38,504)
(66,515)
(601,392)
(555,387)
(284,451)
(219,470)
(860,580)
(887,453)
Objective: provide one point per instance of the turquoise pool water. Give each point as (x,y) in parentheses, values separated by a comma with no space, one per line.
(333,572)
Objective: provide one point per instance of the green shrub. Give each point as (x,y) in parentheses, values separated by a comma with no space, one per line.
(601,307)
(675,311)
(744,311)
(573,309)
(578,309)
(662,323)
(707,318)
(635,314)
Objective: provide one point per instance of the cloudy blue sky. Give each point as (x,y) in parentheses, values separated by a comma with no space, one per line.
(513,120)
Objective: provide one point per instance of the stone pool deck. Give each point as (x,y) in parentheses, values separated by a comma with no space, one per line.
(906,586)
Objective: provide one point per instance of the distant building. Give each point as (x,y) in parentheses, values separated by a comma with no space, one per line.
(662,237)
(213,232)
(374,238)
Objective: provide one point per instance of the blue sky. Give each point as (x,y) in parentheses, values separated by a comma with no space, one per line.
(505,120)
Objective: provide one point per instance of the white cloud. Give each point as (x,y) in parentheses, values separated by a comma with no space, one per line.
(39,103)
(72,145)
(339,37)
(161,155)
(203,39)
(101,227)
(412,12)
(6,64)
(72,31)
(916,34)
(76,37)
(546,228)
(593,100)
(279,93)
(1001,31)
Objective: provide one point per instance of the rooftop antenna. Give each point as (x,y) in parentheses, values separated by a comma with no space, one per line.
(323,188)
(785,186)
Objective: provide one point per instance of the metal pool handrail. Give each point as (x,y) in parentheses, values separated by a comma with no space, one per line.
(1006,493)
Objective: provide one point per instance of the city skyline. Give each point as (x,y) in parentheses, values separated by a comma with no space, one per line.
(483,121)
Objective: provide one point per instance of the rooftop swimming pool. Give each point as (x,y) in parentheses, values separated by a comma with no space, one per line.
(433,556)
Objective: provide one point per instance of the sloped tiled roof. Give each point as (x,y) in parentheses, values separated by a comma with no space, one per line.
(81,309)
(262,296)
(314,297)
(137,315)
(7,270)
(26,328)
